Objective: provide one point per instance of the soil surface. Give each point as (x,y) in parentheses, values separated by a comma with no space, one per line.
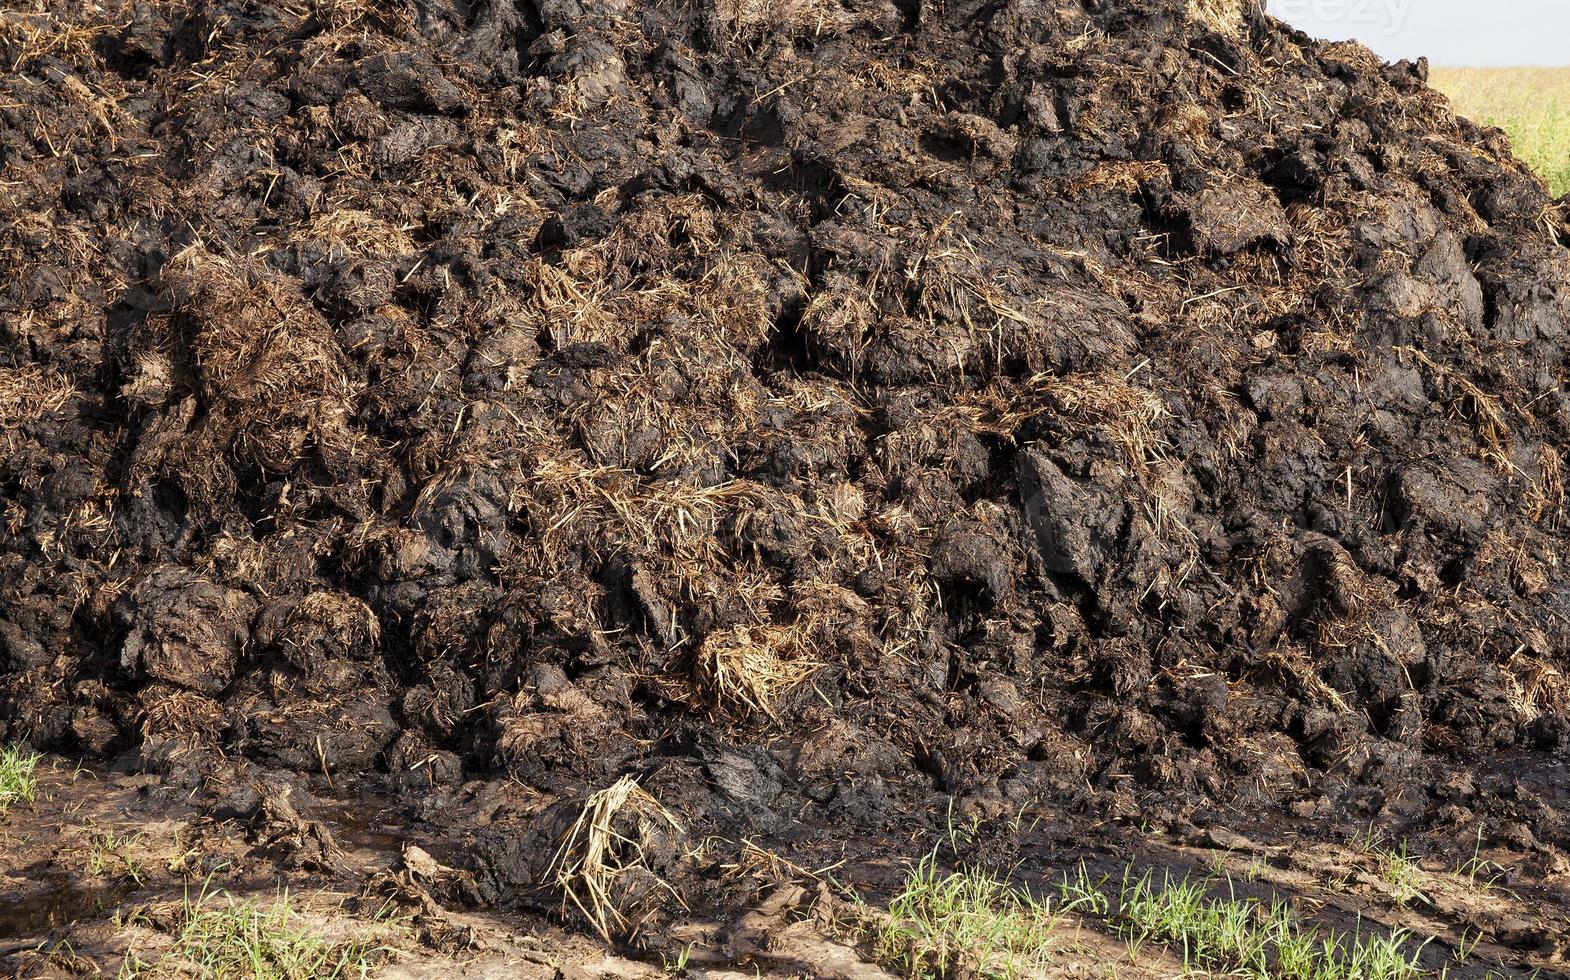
(96,874)
(795,426)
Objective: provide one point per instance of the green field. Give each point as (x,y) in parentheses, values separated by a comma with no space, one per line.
(1531,104)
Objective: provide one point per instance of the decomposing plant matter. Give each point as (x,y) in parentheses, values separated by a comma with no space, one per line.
(818,408)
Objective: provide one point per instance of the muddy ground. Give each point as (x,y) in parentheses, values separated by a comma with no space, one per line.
(97,871)
(806,423)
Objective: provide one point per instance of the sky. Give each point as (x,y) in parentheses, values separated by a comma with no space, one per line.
(1450,32)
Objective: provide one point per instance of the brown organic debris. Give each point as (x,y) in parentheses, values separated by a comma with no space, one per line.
(593,854)
(823,410)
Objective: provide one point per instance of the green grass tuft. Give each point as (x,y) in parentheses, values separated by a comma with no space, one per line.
(216,936)
(18,776)
(112,855)
(1247,937)
(1401,873)
(941,924)
(973,923)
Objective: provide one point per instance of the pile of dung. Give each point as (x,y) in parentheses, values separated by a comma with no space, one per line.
(810,408)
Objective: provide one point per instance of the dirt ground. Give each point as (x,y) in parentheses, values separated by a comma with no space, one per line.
(607,433)
(96,871)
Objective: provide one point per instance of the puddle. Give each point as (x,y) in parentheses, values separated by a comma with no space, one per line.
(356,826)
(367,827)
(57,902)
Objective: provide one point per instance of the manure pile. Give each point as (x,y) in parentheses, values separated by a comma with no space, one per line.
(815,409)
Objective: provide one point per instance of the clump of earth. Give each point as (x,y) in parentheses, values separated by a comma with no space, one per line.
(828,415)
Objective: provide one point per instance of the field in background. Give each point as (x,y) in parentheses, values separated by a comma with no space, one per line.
(1531,104)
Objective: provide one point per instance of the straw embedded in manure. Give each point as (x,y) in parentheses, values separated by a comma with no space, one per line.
(593,854)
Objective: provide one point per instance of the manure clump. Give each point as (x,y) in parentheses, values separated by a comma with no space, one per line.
(812,410)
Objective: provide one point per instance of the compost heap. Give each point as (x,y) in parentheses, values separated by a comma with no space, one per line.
(811,409)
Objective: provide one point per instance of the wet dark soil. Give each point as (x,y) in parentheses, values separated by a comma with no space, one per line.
(52,903)
(833,415)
